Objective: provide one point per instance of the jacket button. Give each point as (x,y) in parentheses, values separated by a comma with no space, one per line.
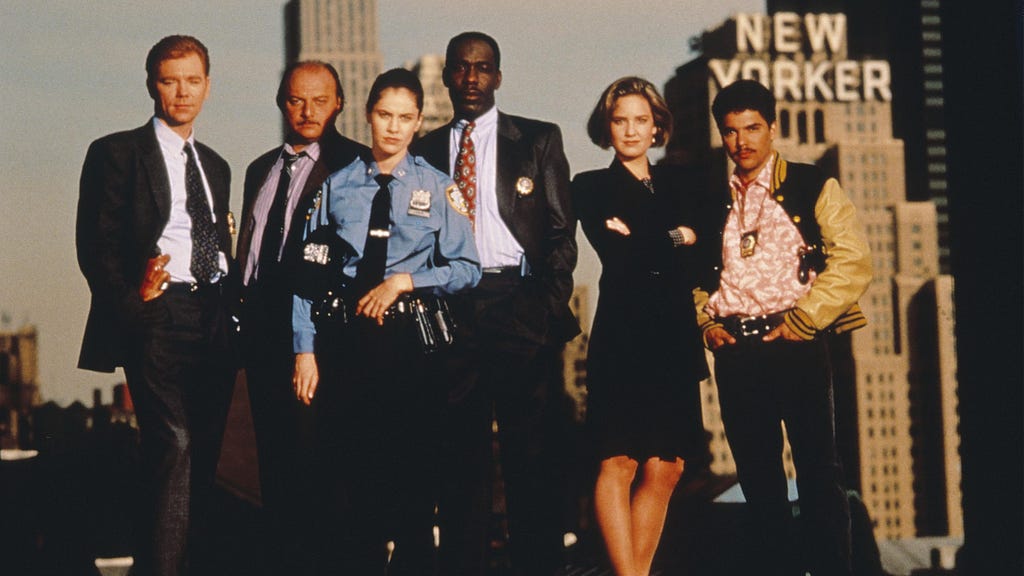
(779,198)
(796,219)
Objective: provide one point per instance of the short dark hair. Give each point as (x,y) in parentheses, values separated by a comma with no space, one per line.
(286,77)
(459,39)
(395,78)
(171,47)
(598,126)
(743,95)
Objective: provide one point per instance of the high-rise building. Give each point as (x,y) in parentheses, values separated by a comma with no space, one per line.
(19,388)
(908,35)
(342,33)
(437,107)
(898,423)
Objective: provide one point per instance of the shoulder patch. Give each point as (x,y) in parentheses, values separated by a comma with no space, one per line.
(457,200)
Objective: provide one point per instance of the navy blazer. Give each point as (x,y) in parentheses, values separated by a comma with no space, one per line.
(124,203)
(542,221)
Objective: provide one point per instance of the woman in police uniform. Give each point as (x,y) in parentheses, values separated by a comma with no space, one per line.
(645,357)
(376,395)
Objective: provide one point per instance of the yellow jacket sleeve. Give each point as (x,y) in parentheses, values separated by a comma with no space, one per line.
(833,297)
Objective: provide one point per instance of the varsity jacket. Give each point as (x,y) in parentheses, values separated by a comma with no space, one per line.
(827,220)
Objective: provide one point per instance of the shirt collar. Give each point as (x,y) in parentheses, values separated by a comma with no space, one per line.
(169,138)
(401,170)
(484,122)
(763,179)
(311,150)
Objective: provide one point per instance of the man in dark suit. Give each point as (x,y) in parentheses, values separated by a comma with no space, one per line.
(154,244)
(279,190)
(514,177)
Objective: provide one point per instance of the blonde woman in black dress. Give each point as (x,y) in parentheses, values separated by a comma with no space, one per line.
(645,358)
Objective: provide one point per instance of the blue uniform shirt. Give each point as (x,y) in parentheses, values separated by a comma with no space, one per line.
(431,237)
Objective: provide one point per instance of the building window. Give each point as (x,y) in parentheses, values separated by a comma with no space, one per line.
(801,127)
(819,126)
(784,123)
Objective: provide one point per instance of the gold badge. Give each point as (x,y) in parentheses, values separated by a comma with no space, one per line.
(524,186)
(457,201)
(419,204)
(231,223)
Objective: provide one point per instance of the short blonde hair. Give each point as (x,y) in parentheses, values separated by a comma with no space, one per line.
(598,126)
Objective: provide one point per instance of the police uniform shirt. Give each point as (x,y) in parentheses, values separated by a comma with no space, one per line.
(430,236)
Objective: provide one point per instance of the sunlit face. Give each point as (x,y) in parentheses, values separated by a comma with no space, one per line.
(394,120)
(631,127)
(179,88)
(747,137)
(471,78)
(310,105)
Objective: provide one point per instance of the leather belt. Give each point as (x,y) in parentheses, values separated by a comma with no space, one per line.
(751,326)
(192,288)
(504,271)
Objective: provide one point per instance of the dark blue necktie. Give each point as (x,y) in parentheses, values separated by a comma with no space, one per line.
(204,266)
(273,231)
(370,269)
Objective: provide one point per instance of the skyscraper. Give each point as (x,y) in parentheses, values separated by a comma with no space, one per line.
(437,107)
(908,35)
(342,33)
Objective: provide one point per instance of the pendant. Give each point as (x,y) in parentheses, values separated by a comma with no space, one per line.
(748,244)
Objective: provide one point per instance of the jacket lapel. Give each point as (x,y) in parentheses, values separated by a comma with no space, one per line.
(509,163)
(156,171)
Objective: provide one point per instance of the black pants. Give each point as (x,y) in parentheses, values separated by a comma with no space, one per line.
(519,383)
(284,432)
(759,386)
(180,375)
(377,409)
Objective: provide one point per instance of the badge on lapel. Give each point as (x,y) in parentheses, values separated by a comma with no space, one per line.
(524,186)
(231,223)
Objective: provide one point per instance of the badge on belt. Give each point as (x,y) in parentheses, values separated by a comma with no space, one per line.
(419,204)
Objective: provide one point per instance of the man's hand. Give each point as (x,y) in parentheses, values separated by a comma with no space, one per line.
(378,300)
(716,337)
(154,281)
(616,225)
(306,377)
(782,331)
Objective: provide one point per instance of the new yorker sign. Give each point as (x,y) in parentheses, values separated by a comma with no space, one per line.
(797,56)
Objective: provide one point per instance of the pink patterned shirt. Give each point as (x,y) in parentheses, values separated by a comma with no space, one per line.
(766,281)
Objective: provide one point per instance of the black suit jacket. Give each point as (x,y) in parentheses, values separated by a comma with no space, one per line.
(124,203)
(336,152)
(541,221)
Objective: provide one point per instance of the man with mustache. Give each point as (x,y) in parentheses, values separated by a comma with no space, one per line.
(513,173)
(790,262)
(280,187)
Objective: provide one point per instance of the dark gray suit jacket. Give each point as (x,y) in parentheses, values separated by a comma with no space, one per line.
(542,221)
(336,152)
(123,205)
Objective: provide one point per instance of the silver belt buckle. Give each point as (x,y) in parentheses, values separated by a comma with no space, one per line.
(752,325)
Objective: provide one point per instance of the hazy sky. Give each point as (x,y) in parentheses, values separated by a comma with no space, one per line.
(73,71)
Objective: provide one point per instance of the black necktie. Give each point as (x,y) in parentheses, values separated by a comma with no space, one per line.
(273,231)
(204,236)
(370,270)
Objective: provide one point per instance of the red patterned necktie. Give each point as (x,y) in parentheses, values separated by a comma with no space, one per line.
(465,170)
